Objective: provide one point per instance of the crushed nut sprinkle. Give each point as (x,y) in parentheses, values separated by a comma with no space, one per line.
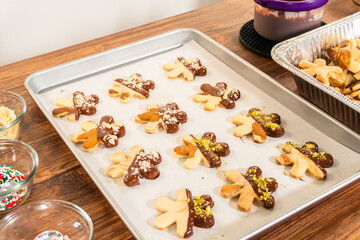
(84,102)
(116,127)
(251,172)
(226,93)
(307,151)
(272,125)
(183,61)
(310,146)
(320,155)
(135,81)
(143,161)
(155,154)
(198,210)
(106,125)
(144,165)
(110,138)
(7,115)
(267,118)
(195,65)
(79,99)
(261,182)
(291,144)
(256,113)
(113,126)
(169,115)
(207,144)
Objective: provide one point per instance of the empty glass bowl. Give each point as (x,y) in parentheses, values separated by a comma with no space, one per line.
(18,164)
(44,220)
(16,103)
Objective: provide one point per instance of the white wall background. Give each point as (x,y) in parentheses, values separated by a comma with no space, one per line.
(32,27)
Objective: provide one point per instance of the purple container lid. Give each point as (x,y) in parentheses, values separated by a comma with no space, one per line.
(292,5)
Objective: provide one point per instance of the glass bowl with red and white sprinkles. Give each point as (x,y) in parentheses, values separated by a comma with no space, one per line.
(18,164)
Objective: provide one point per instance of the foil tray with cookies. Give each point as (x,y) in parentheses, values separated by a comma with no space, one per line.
(325,64)
(187,140)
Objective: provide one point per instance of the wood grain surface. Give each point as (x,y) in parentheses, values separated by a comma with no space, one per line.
(60,176)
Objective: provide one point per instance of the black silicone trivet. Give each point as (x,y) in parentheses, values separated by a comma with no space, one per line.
(256,43)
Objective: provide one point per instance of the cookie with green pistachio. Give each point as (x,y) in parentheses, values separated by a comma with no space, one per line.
(259,124)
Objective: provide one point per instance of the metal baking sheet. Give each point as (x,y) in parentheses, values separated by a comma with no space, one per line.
(310,46)
(135,206)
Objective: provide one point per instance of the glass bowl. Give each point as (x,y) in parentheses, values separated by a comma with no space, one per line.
(18,164)
(16,103)
(45,219)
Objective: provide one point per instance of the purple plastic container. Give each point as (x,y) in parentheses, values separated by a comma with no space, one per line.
(281,19)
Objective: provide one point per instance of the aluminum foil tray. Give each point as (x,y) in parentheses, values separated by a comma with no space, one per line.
(310,46)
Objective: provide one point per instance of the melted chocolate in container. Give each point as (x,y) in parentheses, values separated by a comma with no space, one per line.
(200,214)
(172,117)
(143,166)
(270,123)
(136,84)
(262,186)
(228,95)
(211,149)
(195,67)
(108,132)
(84,105)
(281,25)
(321,159)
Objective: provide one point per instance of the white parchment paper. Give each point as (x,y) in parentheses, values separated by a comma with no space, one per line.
(137,203)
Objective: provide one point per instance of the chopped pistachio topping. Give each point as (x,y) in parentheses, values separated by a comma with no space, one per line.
(251,172)
(320,155)
(307,148)
(310,146)
(267,118)
(272,125)
(198,202)
(265,196)
(207,144)
(256,113)
(262,183)
(292,144)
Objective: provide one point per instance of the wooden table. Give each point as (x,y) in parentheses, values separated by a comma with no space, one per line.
(60,176)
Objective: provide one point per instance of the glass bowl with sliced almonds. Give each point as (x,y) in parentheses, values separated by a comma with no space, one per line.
(325,64)
(12,112)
